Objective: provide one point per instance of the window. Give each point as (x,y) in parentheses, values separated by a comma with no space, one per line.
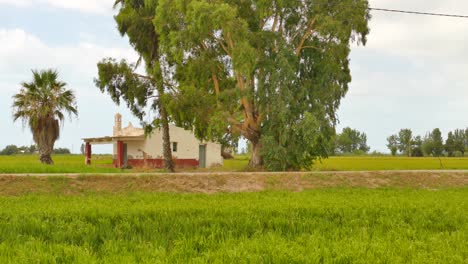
(174,146)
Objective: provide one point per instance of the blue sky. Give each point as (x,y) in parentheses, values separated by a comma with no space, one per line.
(413,72)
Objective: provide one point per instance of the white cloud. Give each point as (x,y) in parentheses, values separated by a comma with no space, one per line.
(20,52)
(411,74)
(21,3)
(89,6)
(413,54)
(416,35)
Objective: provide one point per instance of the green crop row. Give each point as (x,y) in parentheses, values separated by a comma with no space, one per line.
(326,226)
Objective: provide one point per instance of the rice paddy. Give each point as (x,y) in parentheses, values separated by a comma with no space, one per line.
(331,217)
(103,164)
(322,226)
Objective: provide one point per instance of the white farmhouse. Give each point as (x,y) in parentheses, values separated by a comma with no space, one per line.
(133,148)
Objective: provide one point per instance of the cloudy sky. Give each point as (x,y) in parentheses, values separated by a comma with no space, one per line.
(413,73)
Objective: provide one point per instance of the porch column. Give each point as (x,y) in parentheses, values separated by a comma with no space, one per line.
(120,154)
(88,153)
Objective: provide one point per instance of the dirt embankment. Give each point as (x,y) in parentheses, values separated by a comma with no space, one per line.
(227,182)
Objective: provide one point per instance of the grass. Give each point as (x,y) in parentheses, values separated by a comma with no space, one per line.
(63,164)
(103,164)
(322,226)
(371,163)
(239,163)
(75,164)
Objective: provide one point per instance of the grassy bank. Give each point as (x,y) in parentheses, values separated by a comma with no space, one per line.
(227,182)
(324,226)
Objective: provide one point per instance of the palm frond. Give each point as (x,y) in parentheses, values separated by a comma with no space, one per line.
(42,104)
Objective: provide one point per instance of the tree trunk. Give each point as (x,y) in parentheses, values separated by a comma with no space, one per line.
(227,154)
(45,133)
(46,159)
(45,154)
(256,159)
(167,152)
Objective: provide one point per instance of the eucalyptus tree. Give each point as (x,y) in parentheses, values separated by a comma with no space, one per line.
(351,140)
(122,81)
(393,144)
(438,142)
(273,71)
(405,141)
(450,145)
(433,144)
(417,150)
(42,105)
(460,140)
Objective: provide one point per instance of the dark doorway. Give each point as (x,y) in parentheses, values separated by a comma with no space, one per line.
(125,156)
(202,156)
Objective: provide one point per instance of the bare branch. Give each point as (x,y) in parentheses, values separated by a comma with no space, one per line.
(306,35)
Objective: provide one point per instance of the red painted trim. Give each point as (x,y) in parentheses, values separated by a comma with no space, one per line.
(120,154)
(159,163)
(88,153)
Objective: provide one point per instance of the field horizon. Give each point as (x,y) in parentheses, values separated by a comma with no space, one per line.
(29,164)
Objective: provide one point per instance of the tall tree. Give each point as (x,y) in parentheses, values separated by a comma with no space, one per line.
(393,144)
(460,140)
(121,80)
(433,144)
(416,150)
(450,144)
(42,104)
(351,140)
(272,71)
(428,145)
(438,141)
(466,139)
(405,140)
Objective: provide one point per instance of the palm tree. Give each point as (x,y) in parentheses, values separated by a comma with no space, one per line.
(42,105)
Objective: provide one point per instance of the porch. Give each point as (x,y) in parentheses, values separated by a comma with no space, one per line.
(120,157)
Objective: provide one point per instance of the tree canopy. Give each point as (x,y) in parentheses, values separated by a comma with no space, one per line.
(272,71)
(351,141)
(405,141)
(393,144)
(433,143)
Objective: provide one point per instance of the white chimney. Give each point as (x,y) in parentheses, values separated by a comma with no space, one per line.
(117,124)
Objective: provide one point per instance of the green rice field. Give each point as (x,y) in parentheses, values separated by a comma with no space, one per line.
(103,164)
(62,164)
(323,226)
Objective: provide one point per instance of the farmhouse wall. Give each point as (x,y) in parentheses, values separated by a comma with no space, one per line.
(187,148)
(213,155)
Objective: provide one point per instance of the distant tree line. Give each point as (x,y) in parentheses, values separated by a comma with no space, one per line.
(15,150)
(432,144)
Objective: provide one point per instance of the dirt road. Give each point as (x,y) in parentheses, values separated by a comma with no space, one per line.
(18,184)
